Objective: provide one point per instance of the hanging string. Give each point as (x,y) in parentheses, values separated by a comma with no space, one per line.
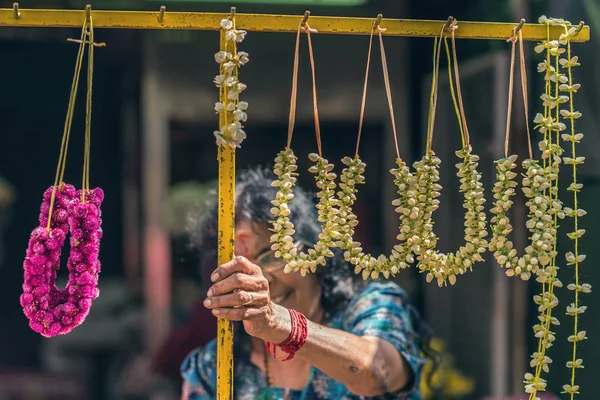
(524,89)
(456,96)
(513,41)
(88,113)
(388,91)
(452,28)
(453,94)
(62,159)
(434,90)
(364,95)
(292,117)
(307,29)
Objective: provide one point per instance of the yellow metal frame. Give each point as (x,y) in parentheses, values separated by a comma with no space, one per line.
(259,23)
(273,23)
(225,253)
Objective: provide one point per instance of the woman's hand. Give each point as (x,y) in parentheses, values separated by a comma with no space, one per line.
(241,293)
(367,366)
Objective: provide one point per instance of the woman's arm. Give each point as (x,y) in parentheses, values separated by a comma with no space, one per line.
(366,365)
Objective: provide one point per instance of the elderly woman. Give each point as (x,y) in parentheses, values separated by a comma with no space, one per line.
(363,339)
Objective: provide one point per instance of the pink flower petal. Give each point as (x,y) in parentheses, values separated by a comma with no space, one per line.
(40,291)
(39,260)
(39,233)
(38,248)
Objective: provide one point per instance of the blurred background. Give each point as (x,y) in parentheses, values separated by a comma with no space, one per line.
(153,153)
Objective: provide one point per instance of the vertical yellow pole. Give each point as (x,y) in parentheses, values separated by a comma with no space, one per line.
(226,159)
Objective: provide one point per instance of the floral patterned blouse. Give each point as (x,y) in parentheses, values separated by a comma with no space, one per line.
(380,310)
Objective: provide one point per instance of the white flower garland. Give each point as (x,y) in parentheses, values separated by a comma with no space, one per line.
(535,186)
(282,239)
(550,126)
(405,204)
(232,132)
(414,203)
(445,267)
(574,258)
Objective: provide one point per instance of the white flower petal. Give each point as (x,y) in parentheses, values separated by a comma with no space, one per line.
(230,36)
(222,56)
(234,127)
(219,107)
(219,138)
(231,81)
(229,66)
(240,115)
(219,80)
(226,23)
(240,36)
(239,135)
(232,95)
(243,57)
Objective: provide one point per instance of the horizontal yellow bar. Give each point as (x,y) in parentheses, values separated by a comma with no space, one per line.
(273,23)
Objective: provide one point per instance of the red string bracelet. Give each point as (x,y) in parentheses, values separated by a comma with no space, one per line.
(297,337)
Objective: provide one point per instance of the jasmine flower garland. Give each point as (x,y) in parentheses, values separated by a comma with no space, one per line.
(285,168)
(282,240)
(574,258)
(540,224)
(535,185)
(406,204)
(550,125)
(231,133)
(445,267)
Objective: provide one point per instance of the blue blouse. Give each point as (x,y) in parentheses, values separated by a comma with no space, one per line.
(380,310)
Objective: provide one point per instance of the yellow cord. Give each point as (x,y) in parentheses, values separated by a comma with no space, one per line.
(431,97)
(434,88)
(62,159)
(85,186)
(452,92)
(549,287)
(575,212)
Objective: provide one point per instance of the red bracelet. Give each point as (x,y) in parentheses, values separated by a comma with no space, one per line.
(297,337)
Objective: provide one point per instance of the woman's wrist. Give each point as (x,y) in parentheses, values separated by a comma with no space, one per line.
(280,326)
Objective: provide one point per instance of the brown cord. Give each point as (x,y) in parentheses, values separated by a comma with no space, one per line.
(364,95)
(458,91)
(434,94)
(388,90)
(386,80)
(314,89)
(513,40)
(524,87)
(292,118)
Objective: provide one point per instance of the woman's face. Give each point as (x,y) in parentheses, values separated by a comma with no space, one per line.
(288,290)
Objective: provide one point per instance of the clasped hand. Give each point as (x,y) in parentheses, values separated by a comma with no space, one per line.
(240,292)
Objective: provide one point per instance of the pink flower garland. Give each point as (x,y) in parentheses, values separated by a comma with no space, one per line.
(52,311)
